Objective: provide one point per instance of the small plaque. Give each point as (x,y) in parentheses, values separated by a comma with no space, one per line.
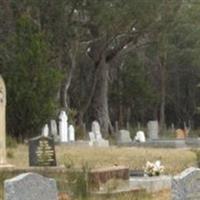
(42,152)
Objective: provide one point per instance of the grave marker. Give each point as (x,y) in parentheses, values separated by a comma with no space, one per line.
(2,122)
(30,186)
(186,186)
(42,152)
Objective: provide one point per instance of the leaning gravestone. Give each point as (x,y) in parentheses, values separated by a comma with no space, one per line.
(42,152)
(30,186)
(152,129)
(186,186)
(2,122)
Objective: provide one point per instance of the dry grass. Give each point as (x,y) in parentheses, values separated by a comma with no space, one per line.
(175,160)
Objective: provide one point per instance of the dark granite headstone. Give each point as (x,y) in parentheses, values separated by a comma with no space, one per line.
(42,151)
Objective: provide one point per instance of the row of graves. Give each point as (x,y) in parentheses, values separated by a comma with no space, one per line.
(42,157)
(152,139)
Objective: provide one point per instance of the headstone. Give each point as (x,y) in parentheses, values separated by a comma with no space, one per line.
(30,186)
(96,130)
(71,133)
(95,136)
(63,127)
(124,136)
(152,129)
(45,130)
(140,137)
(42,152)
(54,130)
(180,134)
(186,186)
(2,122)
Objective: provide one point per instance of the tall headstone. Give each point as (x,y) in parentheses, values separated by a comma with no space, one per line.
(42,151)
(96,130)
(63,127)
(45,130)
(53,128)
(152,129)
(71,133)
(30,186)
(186,186)
(2,122)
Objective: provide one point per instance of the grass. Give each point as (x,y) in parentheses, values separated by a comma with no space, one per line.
(174,160)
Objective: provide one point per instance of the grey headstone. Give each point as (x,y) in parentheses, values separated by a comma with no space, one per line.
(30,186)
(152,129)
(42,152)
(53,128)
(124,136)
(186,186)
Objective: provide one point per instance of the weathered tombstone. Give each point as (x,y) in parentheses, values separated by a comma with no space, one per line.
(63,126)
(180,134)
(53,128)
(96,130)
(140,136)
(42,152)
(2,122)
(124,136)
(153,129)
(96,138)
(71,133)
(186,186)
(30,186)
(45,130)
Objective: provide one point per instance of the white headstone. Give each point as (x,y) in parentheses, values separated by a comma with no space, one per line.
(63,127)
(153,129)
(2,122)
(96,130)
(53,128)
(95,136)
(45,130)
(30,186)
(124,136)
(71,133)
(140,137)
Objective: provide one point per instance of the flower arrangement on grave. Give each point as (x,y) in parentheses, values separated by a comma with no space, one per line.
(153,169)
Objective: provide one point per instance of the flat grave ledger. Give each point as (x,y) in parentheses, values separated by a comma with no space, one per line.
(42,151)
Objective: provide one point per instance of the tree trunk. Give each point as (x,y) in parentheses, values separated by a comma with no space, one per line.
(100,98)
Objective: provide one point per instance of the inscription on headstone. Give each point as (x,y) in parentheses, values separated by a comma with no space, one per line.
(186,186)
(42,152)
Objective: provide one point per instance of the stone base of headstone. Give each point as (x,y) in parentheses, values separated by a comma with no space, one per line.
(101,143)
(5,166)
(151,184)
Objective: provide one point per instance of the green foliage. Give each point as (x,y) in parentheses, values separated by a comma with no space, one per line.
(31,79)
(11,142)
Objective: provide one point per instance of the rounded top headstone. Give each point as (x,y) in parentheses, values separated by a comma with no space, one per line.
(63,116)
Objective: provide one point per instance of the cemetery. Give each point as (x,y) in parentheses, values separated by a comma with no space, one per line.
(56,166)
(99,100)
